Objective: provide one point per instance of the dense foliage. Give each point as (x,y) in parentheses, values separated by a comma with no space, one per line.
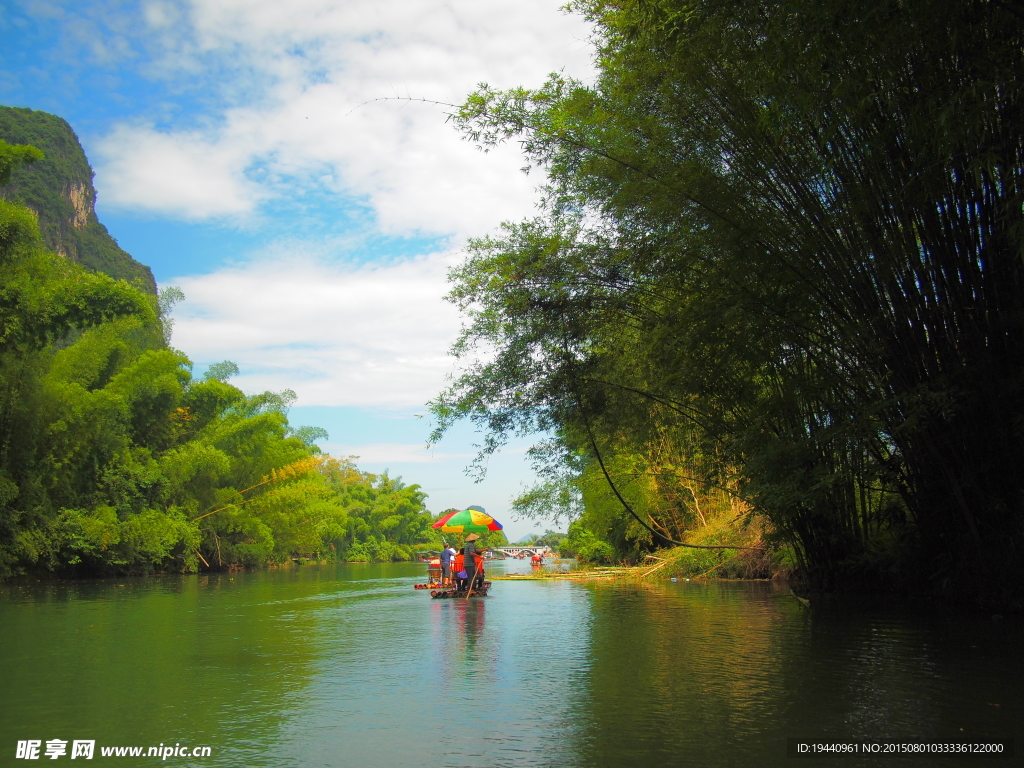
(780,260)
(115,459)
(59,190)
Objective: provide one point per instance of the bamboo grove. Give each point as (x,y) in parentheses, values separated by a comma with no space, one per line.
(114,459)
(779,259)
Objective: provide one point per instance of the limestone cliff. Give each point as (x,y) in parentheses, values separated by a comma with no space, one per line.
(59,189)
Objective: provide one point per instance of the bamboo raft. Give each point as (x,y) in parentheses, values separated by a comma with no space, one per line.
(445,593)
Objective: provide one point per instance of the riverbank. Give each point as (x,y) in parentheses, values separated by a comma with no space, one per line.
(744,563)
(655,568)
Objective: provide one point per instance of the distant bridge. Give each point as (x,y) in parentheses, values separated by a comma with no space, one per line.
(516,551)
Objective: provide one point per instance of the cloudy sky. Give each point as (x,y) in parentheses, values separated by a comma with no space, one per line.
(265,157)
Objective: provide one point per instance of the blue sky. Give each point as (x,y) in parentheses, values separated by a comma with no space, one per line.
(242,151)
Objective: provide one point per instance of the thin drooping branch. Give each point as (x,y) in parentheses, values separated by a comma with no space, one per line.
(628,508)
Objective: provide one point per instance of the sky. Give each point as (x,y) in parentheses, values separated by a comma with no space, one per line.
(274,161)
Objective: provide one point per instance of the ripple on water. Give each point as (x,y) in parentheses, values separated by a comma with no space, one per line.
(348,665)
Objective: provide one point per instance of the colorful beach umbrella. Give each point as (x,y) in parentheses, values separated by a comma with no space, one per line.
(468,520)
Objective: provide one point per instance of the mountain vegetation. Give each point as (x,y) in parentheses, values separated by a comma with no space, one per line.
(114,457)
(58,189)
(774,296)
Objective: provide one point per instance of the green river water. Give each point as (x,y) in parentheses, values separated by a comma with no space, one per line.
(348,665)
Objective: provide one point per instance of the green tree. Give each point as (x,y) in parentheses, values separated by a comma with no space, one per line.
(45,302)
(115,459)
(784,241)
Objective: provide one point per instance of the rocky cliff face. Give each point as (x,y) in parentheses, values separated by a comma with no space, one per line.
(83,200)
(59,189)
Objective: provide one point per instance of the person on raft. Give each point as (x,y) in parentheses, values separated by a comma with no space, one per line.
(473,557)
(459,570)
(446,565)
(470,549)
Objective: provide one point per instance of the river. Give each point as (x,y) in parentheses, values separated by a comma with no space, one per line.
(348,665)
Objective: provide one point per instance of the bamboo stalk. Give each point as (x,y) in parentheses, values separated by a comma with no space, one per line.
(714,567)
(476,570)
(655,568)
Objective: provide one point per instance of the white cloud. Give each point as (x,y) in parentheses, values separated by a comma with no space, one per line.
(178,174)
(294,76)
(372,335)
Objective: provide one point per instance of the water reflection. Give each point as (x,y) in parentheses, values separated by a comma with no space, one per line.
(722,673)
(470,619)
(144,661)
(348,665)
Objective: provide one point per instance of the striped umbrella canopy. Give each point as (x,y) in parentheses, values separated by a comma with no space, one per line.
(468,520)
